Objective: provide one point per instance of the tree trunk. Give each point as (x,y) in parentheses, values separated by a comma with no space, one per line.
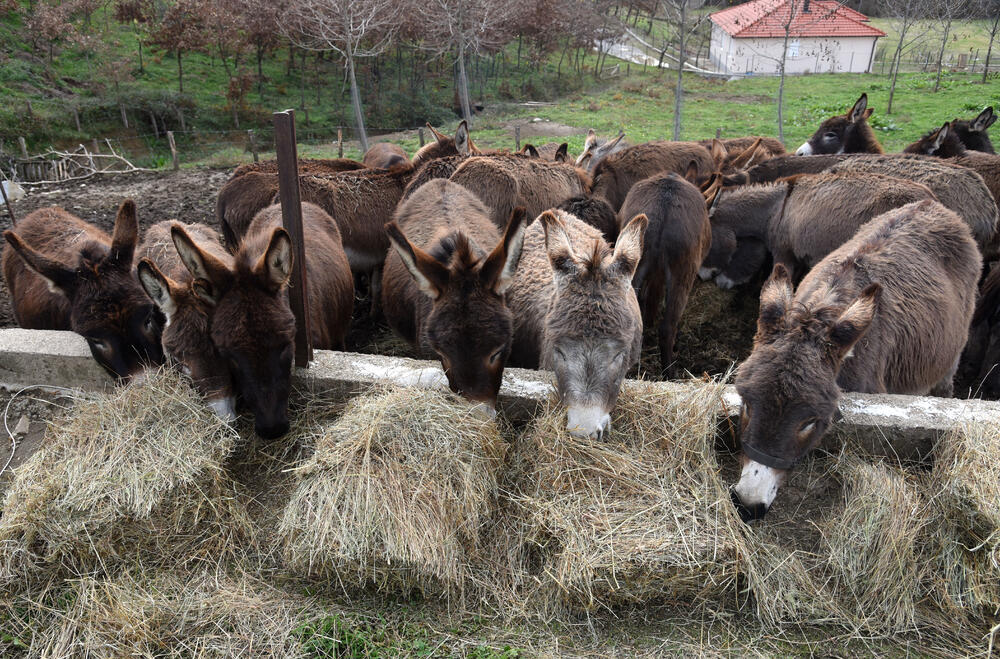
(142,68)
(302,81)
(679,90)
(359,118)
(940,62)
(989,50)
(781,85)
(896,58)
(260,68)
(463,84)
(180,73)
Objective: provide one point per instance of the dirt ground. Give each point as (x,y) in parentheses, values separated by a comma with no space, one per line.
(716,330)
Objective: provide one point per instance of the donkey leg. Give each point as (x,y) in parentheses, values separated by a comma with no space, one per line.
(375,290)
(675,298)
(946,387)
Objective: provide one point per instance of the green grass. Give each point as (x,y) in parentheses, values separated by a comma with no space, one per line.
(966,36)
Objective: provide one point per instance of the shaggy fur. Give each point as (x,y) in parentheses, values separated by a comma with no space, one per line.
(384,155)
(306,166)
(615,175)
(973,133)
(594,211)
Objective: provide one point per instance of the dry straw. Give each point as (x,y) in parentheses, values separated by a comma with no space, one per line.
(637,516)
(395,494)
(132,474)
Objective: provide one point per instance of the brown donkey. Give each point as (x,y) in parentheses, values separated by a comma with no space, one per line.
(442,292)
(973,132)
(251,322)
(187,340)
(616,174)
(443,146)
(306,166)
(576,313)
(677,239)
(384,155)
(945,143)
(887,312)
(66,274)
(844,133)
(596,149)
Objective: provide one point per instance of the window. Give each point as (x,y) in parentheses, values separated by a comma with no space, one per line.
(793,48)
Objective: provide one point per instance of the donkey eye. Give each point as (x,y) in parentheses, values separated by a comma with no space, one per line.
(496,355)
(99,345)
(806,429)
(617,359)
(744,416)
(829,136)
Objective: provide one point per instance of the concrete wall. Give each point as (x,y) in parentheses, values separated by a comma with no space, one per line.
(806,55)
(904,426)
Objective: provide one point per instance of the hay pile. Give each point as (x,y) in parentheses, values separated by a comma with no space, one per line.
(638,516)
(395,494)
(965,485)
(135,474)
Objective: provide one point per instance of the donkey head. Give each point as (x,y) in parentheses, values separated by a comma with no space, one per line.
(593,328)
(788,384)
(187,340)
(460,144)
(107,306)
(943,143)
(469,325)
(251,322)
(844,133)
(596,149)
(973,133)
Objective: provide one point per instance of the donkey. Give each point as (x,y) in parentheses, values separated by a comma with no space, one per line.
(384,155)
(576,313)
(187,341)
(442,292)
(615,175)
(596,149)
(765,148)
(981,359)
(550,151)
(801,219)
(677,240)
(958,188)
(887,312)
(305,166)
(844,133)
(771,170)
(503,181)
(251,320)
(66,274)
(945,143)
(973,133)
(460,144)
(594,211)
(442,167)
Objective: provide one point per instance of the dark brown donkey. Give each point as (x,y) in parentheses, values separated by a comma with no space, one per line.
(66,274)
(575,312)
(844,133)
(981,360)
(973,132)
(506,180)
(887,312)
(615,175)
(800,219)
(251,322)
(187,341)
(442,292)
(443,146)
(594,211)
(677,241)
(384,155)
(944,143)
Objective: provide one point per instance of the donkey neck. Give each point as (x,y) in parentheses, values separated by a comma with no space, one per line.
(751,209)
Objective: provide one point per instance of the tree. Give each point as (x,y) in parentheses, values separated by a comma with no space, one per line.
(904,18)
(792,10)
(464,27)
(946,12)
(137,13)
(180,30)
(679,14)
(352,28)
(990,8)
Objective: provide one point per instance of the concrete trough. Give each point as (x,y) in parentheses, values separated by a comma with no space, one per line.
(906,427)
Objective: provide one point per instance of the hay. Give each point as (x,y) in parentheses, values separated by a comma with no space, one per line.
(965,484)
(136,473)
(395,494)
(874,545)
(641,515)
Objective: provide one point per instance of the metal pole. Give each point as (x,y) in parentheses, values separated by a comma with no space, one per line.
(291,216)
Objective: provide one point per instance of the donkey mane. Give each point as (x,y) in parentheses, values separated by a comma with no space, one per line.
(456,248)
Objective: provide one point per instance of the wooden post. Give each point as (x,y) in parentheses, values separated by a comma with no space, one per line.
(180,117)
(121,106)
(10,211)
(340,142)
(291,216)
(420,134)
(173,149)
(31,110)
(24,147)
(76,119)
(718,133)
(95,146)
(152,120)
(252,137)
(517,138)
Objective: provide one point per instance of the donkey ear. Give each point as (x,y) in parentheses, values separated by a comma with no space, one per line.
(440,137)
(719,152)
(530,150)
(126,234)
(691,174)
(983,120)
(275,265)
(775,300)
(940,136)
(429,273)
(743,160)
(855,321)
(557,244)
(610,144)
(158,287)
(498,269)
(628,247)
(562,153)
(200,264)
(59,277)
(462,140)
(857,112)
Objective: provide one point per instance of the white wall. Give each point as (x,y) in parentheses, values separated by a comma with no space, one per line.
(806,55)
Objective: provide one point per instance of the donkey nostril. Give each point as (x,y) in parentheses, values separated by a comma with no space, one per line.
(747,513)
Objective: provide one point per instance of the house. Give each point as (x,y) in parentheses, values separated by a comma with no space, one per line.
(824,37)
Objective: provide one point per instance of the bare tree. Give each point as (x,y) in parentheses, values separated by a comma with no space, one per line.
(904,17)
(680,15)
(464,27)
(180,30)
(990,8)
(792,12)
(946,12)
(352,28)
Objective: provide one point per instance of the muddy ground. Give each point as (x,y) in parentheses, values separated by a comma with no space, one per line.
(717,328)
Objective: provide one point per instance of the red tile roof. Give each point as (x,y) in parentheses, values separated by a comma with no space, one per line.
(767,18)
